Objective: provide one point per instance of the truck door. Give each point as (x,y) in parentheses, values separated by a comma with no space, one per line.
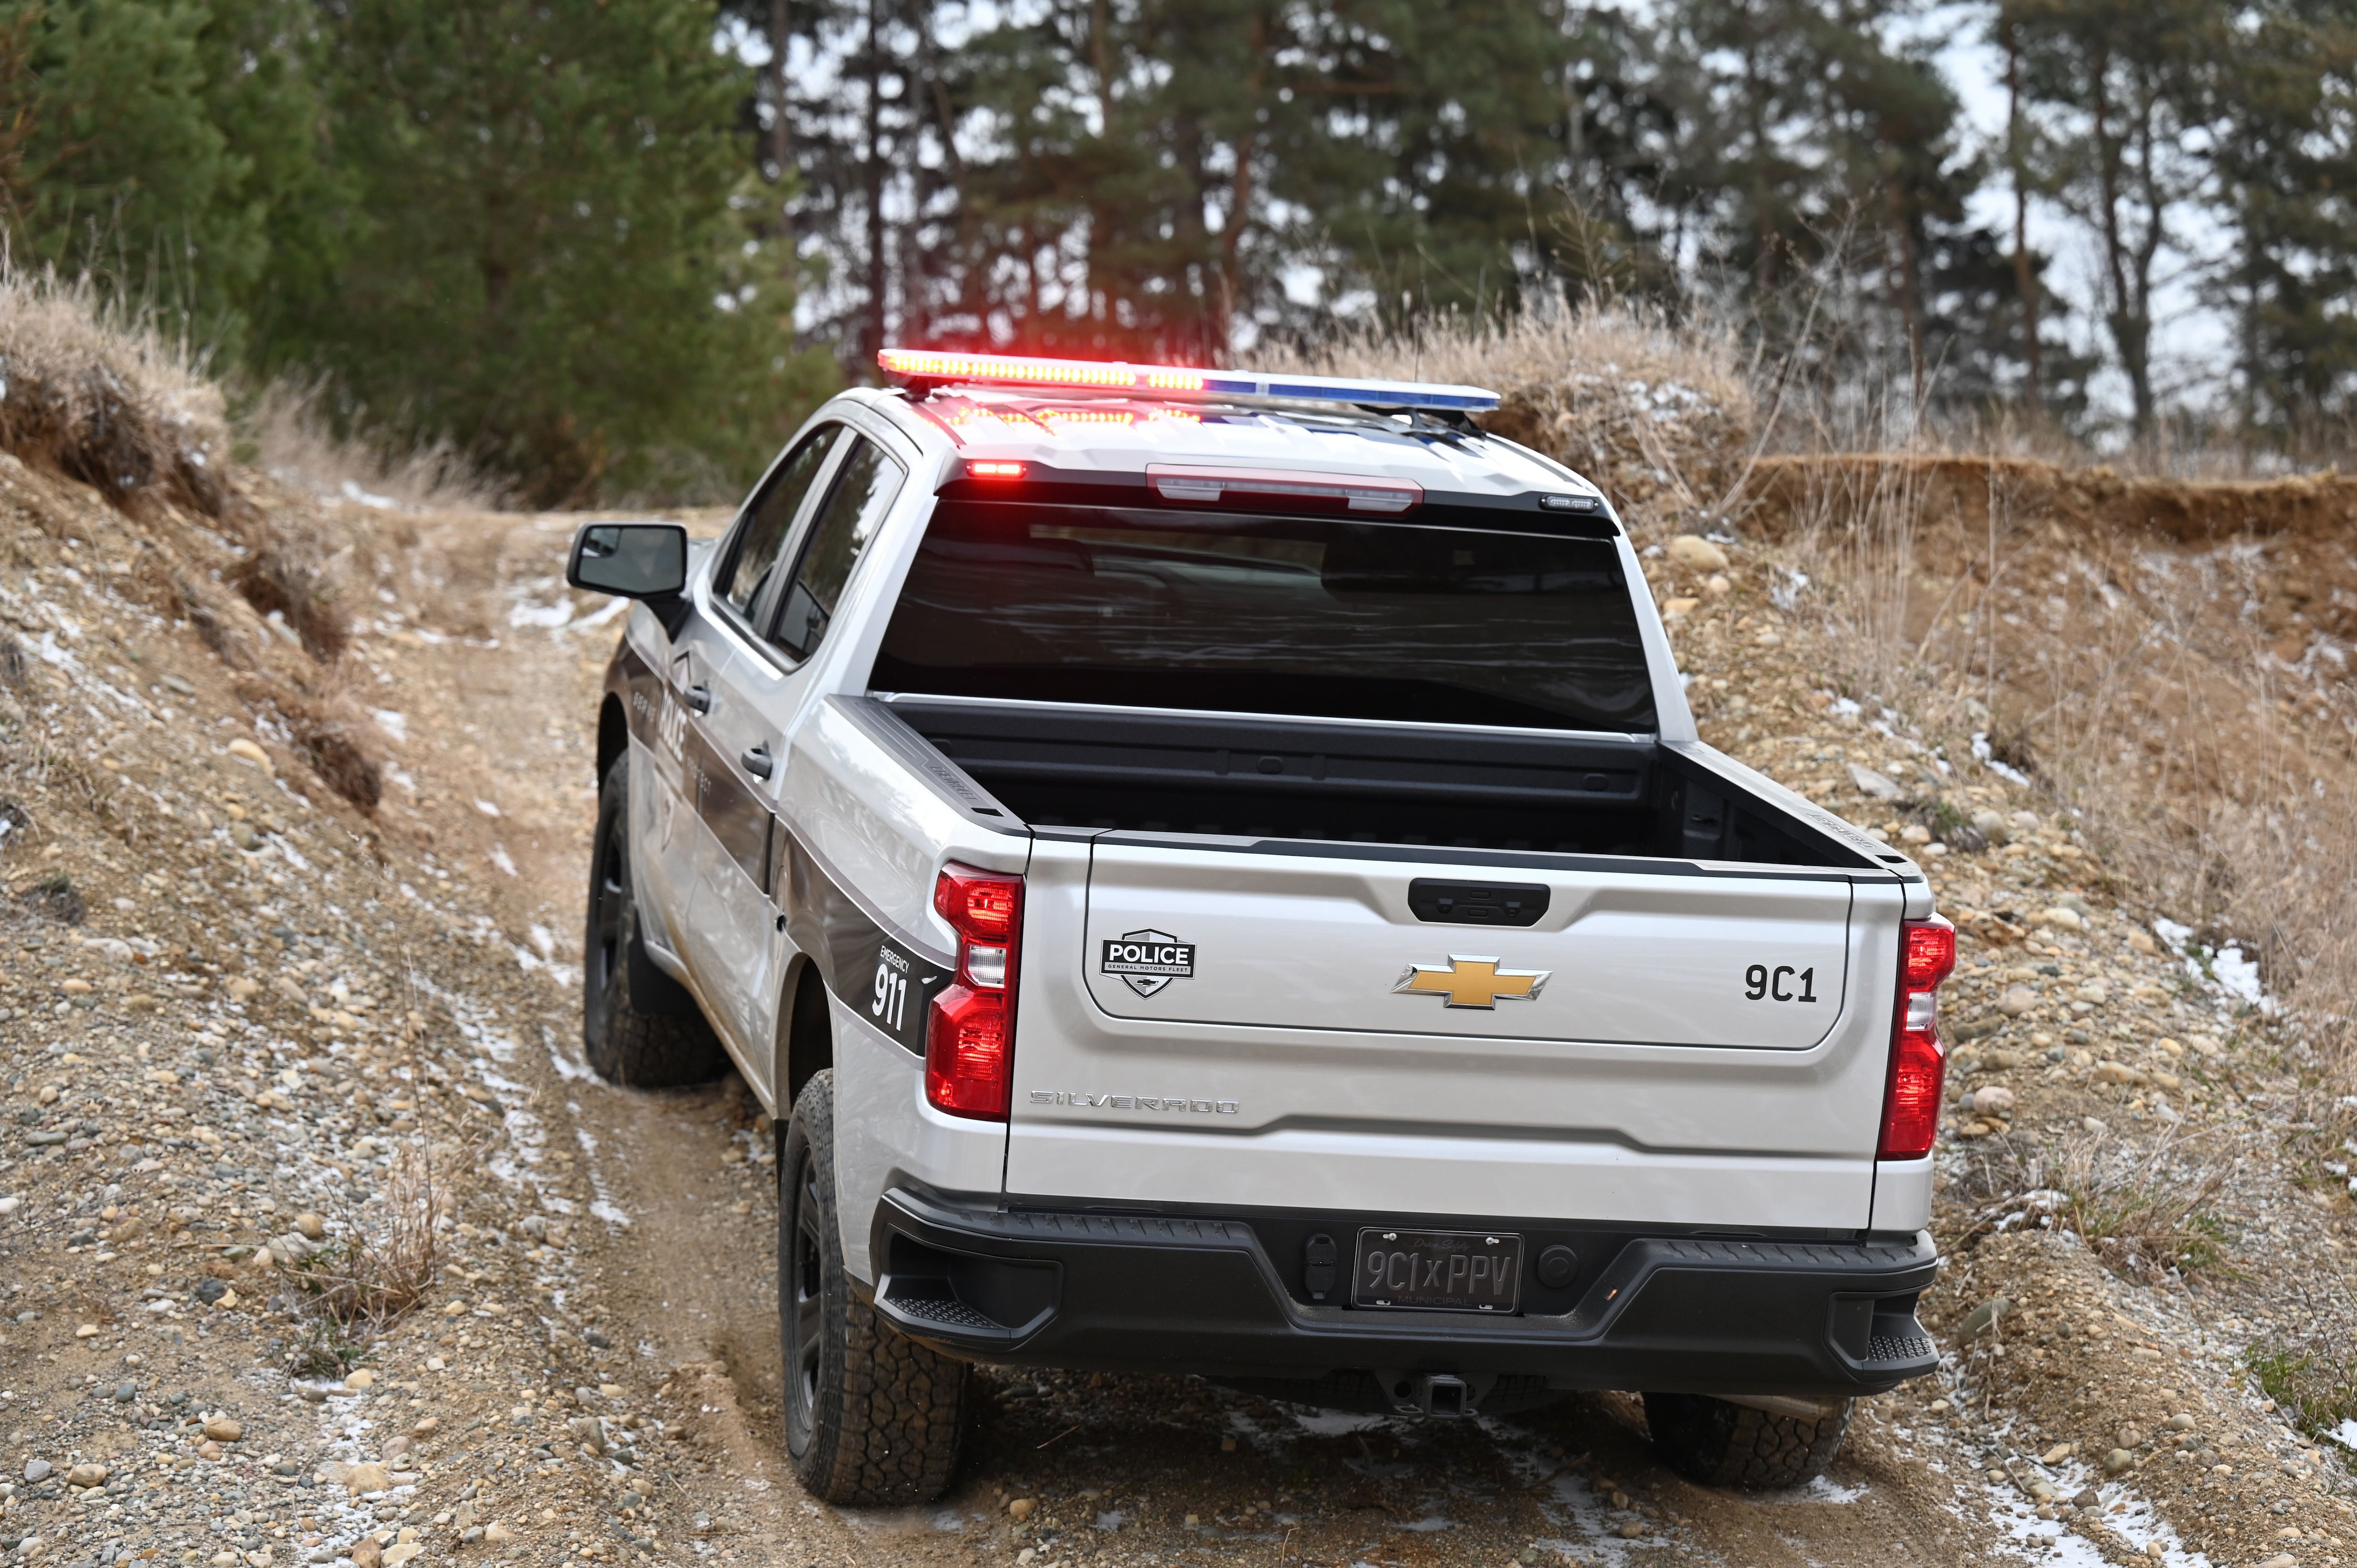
(836,500)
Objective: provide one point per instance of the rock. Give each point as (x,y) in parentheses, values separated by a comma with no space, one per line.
(2016,1001)
(1678,608)
(2131,1436)
(496,1534)
(2063,919)
(426,1427)
(36,1470)
(1983,1317)
(2095,1124)
(367,1553)
(365,1478)
(1880,786)
(86,1475)
(361,1379)
(2181,1421)
(2087,1498)
(2281,1560)
(224,1560)
(396,1555)
(2056,1455)
(2117,1072)
(469,1534)
(245,751)
(209,1450)
(31,1547)
(2118,1461)
(311,1227)
(1020,1509)
(1991,826)
(210,1291)
(224,1429)
(1693,550)
(1631,1530)
(1915,833)
(1993,1099)
(125,1391)
(87,1331)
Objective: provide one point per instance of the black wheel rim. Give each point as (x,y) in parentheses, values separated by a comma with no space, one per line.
(610,902)
(804,1306)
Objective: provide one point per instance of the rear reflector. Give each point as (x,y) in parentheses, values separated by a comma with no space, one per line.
(1918,1063)
(1357,492)
(970,1029)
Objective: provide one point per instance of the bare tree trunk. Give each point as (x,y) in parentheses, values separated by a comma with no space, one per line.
(782,131)
(2126,332)
(878,272)
(2025,275)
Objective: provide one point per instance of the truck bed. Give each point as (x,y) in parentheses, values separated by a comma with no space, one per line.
(1355,782)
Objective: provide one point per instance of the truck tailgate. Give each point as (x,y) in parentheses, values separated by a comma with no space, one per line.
(1284,1025)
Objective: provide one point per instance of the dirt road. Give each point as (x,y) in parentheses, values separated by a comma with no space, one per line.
(1119,1469)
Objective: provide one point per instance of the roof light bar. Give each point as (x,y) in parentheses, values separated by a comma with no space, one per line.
(1008,369)
(990,469)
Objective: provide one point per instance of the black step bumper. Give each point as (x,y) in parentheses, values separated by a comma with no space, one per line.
(1808,1318)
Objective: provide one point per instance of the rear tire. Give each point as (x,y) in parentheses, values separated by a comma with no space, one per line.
(639,1026)
(1721,1445)
(871,1417)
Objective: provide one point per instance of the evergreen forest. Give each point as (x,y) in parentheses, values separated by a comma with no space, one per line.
(617,248)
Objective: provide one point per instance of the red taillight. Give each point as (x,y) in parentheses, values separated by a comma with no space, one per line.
(1919,1066)
(994,470)
(970,1034)
(1931,953)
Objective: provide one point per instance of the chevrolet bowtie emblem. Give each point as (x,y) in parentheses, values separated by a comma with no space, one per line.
(1471,982)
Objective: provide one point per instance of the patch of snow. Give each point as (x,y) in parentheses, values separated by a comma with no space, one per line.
(504,861)
(1986,759)
(350,490)
(393,723)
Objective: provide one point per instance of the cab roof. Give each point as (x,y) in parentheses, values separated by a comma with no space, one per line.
(1117,437)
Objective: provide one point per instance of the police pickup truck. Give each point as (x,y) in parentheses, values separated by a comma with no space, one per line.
(1215,873)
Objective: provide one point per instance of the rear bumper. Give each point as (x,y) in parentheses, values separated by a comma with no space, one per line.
(1204,1294)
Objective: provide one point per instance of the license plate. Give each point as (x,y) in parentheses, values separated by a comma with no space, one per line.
(1438,1270)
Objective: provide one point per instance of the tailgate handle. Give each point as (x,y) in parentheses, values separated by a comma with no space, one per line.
(1477,903)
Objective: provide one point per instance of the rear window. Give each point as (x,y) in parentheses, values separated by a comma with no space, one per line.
(1319,616)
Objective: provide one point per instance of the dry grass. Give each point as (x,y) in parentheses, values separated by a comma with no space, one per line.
(106,398)
(295,439)
(385,1261)
(2149,1212)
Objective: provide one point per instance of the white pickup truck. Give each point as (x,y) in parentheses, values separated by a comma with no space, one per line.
(1215,873)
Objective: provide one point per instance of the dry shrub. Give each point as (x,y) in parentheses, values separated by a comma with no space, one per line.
(391,1249)
(2147,1212)
(103,397)
(297,442)
(290,574)
(1658,414)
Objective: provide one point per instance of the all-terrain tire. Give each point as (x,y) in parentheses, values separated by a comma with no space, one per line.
(639,1026)
(1722,1444)
(871,1417)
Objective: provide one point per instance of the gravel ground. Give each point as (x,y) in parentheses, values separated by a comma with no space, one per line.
(249,1033)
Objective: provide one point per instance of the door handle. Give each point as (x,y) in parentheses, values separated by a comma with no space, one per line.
(699,697)
(757,762)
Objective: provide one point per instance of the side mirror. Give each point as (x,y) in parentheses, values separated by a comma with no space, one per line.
(630,560)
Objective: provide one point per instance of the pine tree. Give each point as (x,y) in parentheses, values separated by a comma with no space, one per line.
(544,260)
(169,148)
